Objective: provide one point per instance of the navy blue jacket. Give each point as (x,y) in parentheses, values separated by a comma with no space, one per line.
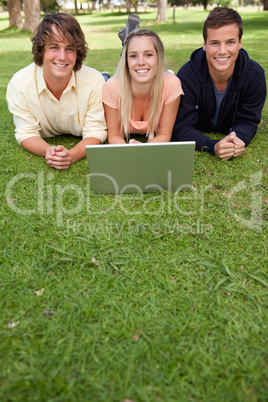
(240,110)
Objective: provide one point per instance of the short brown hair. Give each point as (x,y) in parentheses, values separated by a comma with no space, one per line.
(68,28)
(220,17)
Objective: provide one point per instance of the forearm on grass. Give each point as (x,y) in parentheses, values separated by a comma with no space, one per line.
(79,151)
(36,146)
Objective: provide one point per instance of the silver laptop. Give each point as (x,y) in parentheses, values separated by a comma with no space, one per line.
(141,168)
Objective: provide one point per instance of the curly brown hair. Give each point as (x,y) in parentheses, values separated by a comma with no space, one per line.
(68,28)
(220,17)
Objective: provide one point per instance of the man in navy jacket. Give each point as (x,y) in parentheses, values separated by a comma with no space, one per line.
(224,89)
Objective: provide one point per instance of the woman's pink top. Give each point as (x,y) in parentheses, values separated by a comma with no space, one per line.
(171,90)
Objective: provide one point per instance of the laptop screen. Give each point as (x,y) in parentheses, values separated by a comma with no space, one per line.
(140,168)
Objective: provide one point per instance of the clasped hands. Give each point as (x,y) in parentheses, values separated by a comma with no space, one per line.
(58,157)
(229,147)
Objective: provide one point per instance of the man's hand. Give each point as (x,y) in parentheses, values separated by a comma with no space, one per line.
(239,146)
(58,157)
(230,146)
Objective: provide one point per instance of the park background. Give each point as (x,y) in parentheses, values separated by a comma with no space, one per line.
(156,297)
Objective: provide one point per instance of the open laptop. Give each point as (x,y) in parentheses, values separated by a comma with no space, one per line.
(141,168)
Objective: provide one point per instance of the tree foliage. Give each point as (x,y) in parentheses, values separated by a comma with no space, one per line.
(48,6)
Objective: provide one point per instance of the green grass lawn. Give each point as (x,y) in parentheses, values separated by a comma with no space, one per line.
(156,297)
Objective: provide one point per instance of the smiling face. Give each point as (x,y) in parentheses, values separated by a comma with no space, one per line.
(59,59)
(142,60)
(222,47)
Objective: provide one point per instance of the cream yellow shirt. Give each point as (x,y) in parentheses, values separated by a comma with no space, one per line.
(37,113)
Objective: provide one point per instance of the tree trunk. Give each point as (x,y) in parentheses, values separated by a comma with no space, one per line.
(88,6)
(14,12)
(161,10)
(265,5)
(31,10)
(128,5)
(205,4)
(135,4)
(93,8)
(76,7)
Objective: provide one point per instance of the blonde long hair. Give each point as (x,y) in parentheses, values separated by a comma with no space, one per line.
(124,83)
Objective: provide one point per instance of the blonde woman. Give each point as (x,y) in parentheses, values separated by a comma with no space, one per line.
(141,98)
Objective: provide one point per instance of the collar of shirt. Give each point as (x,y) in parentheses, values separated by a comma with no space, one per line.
(42,86)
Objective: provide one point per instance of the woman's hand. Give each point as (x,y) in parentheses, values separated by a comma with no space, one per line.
(132,141)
